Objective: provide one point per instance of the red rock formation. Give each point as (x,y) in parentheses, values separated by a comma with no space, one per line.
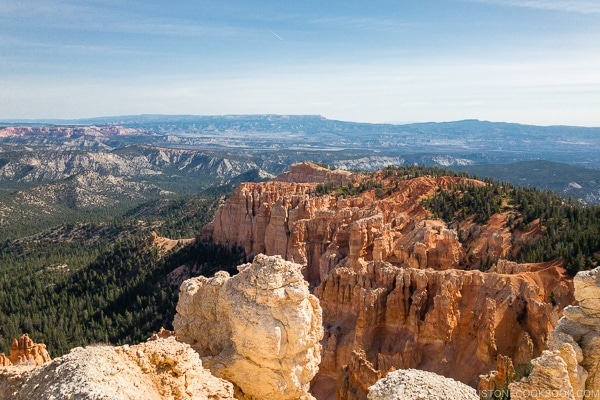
(454,323)
(4,361)
(571,365)
(164,245)
(25,351)
(387,275)
(497,380)
(286,218)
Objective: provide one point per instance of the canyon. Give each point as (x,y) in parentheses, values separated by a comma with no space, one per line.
(397,287)
(353,277)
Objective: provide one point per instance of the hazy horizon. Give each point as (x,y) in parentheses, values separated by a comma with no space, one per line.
(83,120)
(529,62)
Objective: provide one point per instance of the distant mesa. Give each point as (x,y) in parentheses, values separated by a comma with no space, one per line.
(65,131)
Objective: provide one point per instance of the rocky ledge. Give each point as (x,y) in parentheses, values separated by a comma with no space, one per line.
(156,370)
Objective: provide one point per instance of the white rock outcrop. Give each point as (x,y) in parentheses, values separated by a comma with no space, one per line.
(413,384)
(162,369)
(259,329)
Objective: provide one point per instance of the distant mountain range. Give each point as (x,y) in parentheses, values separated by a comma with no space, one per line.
(62,168)
(471,141)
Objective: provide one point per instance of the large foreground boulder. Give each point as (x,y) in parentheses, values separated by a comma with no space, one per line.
(259,329)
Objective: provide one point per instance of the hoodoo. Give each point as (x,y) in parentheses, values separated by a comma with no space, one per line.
(395,282)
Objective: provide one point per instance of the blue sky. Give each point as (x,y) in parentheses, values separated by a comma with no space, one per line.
(528,61)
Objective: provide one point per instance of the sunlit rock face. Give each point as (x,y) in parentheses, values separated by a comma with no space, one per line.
(259,329)
(25,351)
(392,279)
(162,369)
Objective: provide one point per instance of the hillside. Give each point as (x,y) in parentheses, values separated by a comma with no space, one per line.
(106,280)
(406,262)
(565,179)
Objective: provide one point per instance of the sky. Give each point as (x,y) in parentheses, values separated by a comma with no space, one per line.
(525,61)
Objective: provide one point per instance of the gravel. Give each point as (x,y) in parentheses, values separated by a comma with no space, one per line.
(412,384)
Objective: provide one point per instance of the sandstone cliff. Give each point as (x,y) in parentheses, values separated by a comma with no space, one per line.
(259,329)
(163,369)
(451,322)
(571,366)
(286,217)
(389,276)
(25,351)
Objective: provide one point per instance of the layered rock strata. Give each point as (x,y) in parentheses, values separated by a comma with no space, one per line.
(285,217)
(571,365)
(259,329)
(162,369)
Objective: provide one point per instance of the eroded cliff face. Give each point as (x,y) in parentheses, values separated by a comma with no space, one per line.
(451,322)
(287,218)
(571,365)
(391,279)
(259,329)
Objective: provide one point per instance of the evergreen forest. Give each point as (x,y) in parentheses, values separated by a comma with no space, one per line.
(89,282)
(98,280)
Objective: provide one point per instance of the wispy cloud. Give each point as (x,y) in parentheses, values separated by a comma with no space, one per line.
(362,23)
(103,17)
(576,6)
